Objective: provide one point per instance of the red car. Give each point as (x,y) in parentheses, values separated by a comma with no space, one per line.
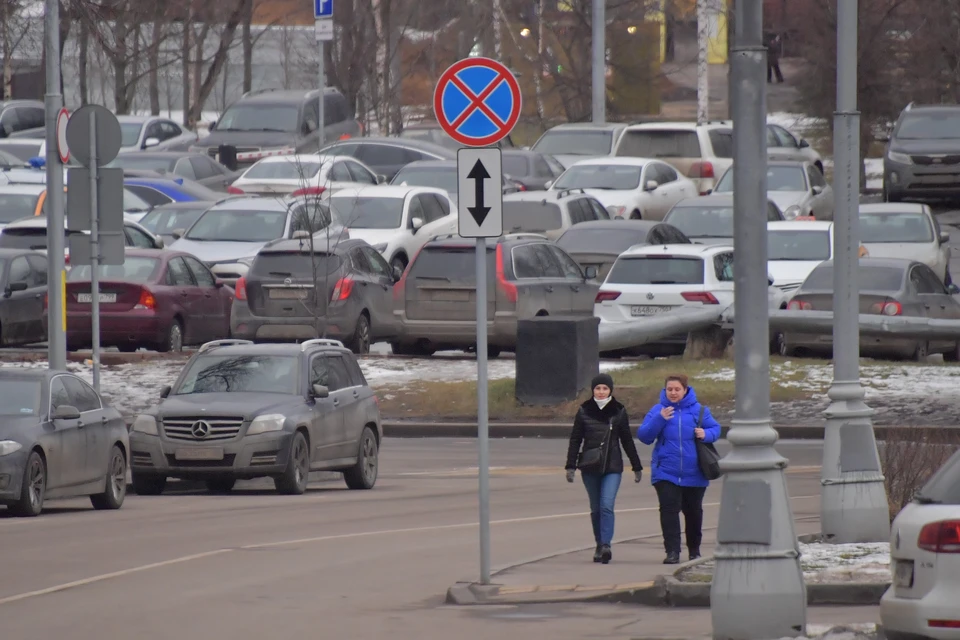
(156,299)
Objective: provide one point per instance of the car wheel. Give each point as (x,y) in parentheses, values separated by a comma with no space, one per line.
(360,343)
(148,485)
(921,353)
(116,488)
(174,341)
(363,475)
(785,350)
(221,485)
(952,355)
(34,487)
(293,480)
(398,264)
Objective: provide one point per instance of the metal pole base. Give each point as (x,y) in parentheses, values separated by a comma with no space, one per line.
(853,501)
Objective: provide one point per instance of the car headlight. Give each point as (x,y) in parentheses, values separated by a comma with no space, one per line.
(902,158)
(145,424)
(792,213)
(266,423)
(9,446)
(614,210)
(380,247)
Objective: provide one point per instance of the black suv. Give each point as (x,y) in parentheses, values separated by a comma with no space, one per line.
(240,410)
(271,121)
(923,154)
(18,115)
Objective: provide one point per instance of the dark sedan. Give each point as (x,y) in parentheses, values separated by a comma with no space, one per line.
(156,299)
(599,243)
(386,156)
(889,287)
(439,174)
(58,440)
(531,169)
(193,166)
(23,275)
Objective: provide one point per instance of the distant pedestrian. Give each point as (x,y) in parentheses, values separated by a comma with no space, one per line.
(675,424)
(602,426)
(774,46)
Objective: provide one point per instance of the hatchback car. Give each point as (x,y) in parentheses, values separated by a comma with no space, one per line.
(797,188)
(196,167)
(550,213)
(527,276)
(59,440)
(152,132)
(794,249)
(304,174)
(709,219)
(599,244)
(293,291)
(531,170)
(439,174)
(240,411)
(906,230)
(923,154)
(570,142)
(386,156)
(167,218)
(31,233)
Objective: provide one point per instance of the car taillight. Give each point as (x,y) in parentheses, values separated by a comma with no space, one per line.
(46,301)
(342,290)
(235,191)
(146,301)
(701,170)
(240,289)
(799,305)
(309,191)
(603,296)
(944,624)
(887,308)
(508,288)
(700,296)
(940,537)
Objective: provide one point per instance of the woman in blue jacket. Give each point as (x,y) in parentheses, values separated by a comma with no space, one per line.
(675,468)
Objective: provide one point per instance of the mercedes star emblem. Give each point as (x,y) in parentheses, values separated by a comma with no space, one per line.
(200,429)
(649,296)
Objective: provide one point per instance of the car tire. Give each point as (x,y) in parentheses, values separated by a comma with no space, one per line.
(221,485)
(174,340)
(363,475)
(785,350)
(293,480)
(398,264)
(360,342)
(33,488)
(953,355)
(148,484)
(921,352)
(115,489)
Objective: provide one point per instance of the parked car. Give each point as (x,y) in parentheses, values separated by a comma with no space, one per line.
(921,601)
(337,289)
(634,188)
(533,170)
(397,221)
(152,132)
(60,440)
(794,249)
(431,132)
(199,168)
(23,274)
(386,156)
(598,244)
(240,410)
(550,213)
(527,276)
(164,219)
(888,287)
(162,300)
(17,115)
(906,230)
(573,141)
(19,201)
(304,174)
(782,144)
(8,160)
(31,233)
(921,159)
(797,188)
(440,174)
(709,219)
(158,191)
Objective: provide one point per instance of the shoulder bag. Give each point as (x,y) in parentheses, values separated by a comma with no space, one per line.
(594,460)
(707,455)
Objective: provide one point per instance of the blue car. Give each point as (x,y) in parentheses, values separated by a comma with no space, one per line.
(158,191)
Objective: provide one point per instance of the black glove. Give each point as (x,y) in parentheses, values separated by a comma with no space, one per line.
(638,475)
(570,473)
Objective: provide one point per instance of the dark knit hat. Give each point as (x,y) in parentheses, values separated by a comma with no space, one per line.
(602,378)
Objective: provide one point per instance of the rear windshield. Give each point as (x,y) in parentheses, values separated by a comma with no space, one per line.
(779,178)
(604,241)
(531,217)
(516,166)
(895,227)
(14,206)
(702,222)
(359,212)
(871,278)
(136,161)
(657,270)
(575,143)
(944,486)
(23,151)
(612,177)
(435,177)
(295,265)
(450,264)
(282,170)
(659,144)
(19,397)
(798,245)
(134,269)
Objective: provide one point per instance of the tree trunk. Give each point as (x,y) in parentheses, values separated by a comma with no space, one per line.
(247,51)
(84,54)
(185,66)
(220,57)
(199,42)
(153,59)
(120,61)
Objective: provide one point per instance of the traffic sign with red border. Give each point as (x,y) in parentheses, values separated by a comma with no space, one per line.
(63,149)
(477,101)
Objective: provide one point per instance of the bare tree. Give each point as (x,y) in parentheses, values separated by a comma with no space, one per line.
(15,29)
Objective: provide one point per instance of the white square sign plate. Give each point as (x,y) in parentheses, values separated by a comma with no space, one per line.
(480,193)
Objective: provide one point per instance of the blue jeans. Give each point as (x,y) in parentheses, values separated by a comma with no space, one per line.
(602,490)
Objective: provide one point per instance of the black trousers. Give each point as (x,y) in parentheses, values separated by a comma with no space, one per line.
(773,67)
(675,499)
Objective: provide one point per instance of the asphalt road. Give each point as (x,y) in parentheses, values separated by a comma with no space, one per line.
(331,563)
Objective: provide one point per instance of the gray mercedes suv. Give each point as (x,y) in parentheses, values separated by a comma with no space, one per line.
(241,411)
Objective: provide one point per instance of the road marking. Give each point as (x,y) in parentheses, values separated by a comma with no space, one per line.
(341,536)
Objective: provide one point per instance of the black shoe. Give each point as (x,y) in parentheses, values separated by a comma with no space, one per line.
(605,554)
(694,554)
(672,558)
(597,554)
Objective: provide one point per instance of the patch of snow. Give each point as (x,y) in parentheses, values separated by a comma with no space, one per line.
(873,167)
(855,562)
(856,631)
(797,123)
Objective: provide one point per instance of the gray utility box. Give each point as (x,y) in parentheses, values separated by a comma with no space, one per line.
(557,357)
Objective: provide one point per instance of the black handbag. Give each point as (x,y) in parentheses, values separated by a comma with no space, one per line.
(707,455)
(595,460)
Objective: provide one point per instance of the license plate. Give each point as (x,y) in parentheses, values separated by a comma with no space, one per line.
(289,294)
(904,572)
(647,310)
(104,297)
(199,453)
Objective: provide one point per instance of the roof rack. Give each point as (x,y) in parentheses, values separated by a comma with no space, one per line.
(227,342)
(325,342)
(909,106)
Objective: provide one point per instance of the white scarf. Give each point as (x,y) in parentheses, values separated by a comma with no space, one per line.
(604,402)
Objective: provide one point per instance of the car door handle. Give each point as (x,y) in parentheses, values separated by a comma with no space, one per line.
(356,394)
(336,401)
(549,289)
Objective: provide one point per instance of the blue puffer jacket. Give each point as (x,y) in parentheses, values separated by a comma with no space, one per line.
(675,454)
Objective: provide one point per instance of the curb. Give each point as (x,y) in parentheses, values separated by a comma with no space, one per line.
(690,594)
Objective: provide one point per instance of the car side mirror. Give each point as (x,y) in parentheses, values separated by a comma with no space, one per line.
(151,142)
(319,391)
(165,391)
(770,280)
(66,412)
(160,243)
(218,283)
(708,192)
(300,234)
(14,286)
(817,190)
(548,184)
(803,143)
(178,233)
(416,223)
(381,179)
(590,272)
(651,185)
(944,237)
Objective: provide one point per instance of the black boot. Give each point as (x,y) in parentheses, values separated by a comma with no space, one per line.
(605,554)
(596,554)
(694,554)
(672,558)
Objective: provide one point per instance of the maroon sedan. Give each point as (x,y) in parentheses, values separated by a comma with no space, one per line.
(156,299)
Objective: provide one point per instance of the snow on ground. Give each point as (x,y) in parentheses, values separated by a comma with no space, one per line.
(858,631)
(855,562)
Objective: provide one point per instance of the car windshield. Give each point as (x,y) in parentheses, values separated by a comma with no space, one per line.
(575,143)
(656,269)
(134,269)
(23,151)
(531,216)
(14,206)
(872,278)
(451,264)
(943,487)
(225,225)
(260,117)
(895,227)
(362,212)
(702,221)
(286,169)
(130,133)
(19,398)
(798,245)
(929,126)
(163,221)
(138,162)
(241,374)
(435,177)
(600,176)
(778,179)
(603,241)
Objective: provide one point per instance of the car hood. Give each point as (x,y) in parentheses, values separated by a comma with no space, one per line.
(567,159)
(789,272)
(17,428)
(246,405)
(217,251)
(786,199)
(924,147)
(374,236)
(248,138)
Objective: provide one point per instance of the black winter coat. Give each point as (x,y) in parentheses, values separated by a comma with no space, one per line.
(590,427)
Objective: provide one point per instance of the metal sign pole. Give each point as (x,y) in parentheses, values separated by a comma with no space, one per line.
(94,253)
(322,74)
(482,411)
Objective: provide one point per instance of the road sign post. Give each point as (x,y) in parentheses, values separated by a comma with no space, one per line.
(323,15)
(477,103)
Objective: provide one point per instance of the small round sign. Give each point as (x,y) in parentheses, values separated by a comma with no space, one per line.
(80,132)
(63,117)
(477,101)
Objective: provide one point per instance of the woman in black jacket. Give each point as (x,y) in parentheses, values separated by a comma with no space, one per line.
(601,427)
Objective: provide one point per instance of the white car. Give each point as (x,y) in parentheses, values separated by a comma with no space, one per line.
(397,221)
(922,601)
(798,188)
(794,249)
(629,188)
(304,175)
(905,230)
(152,132)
